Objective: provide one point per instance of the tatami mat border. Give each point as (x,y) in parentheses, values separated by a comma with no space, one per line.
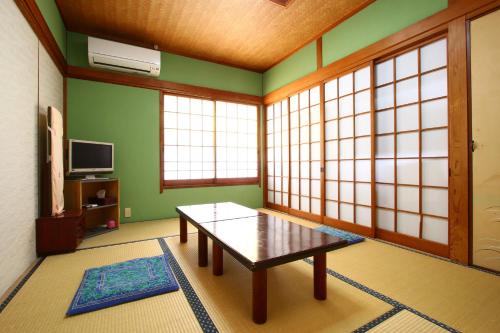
(20,284)
(206,323)
(129,242)
(384,298)
(378,320)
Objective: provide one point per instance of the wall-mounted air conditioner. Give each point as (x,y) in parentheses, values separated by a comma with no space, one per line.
(122,57)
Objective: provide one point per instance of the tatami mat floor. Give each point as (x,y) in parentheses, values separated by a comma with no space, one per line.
(372,286)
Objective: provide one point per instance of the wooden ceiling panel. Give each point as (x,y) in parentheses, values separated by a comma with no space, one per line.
(251,34)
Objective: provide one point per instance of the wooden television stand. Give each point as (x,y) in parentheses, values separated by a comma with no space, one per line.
(78,191)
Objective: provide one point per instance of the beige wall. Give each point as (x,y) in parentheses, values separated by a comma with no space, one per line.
(27,72)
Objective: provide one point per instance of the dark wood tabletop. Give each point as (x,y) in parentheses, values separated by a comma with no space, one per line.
(264,241)
(215,212)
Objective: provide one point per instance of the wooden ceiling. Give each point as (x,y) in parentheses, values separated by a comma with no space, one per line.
(250,34)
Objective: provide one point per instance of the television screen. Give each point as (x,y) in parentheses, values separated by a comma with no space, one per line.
(88,156)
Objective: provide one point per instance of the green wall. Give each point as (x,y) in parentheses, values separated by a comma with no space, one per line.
(181,69)
(51,15)
(379,20)
(129,117)
(294,67)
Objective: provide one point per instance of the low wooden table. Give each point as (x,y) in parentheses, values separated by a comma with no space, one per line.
(260,242)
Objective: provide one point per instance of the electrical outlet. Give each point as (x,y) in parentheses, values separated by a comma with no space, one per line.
(128,212)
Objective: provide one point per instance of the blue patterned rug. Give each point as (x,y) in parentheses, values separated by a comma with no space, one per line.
(349,237)
(123,282)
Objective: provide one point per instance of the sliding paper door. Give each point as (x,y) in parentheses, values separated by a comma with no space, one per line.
(412,144)
(348,149)
(305,149)
(277,154)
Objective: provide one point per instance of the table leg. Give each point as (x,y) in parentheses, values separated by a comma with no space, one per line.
(259,296)
(217,258)
(202,249)
(183,231)
(320,276)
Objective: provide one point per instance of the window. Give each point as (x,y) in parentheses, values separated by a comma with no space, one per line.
(208,142)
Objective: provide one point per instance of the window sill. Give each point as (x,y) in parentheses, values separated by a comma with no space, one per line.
(171,184)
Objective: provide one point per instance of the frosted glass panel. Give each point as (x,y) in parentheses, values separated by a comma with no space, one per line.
(385,219)
(409,224)
(435,113)
(384,122)
(384,171)
(304,116)
(434,84)
(285,184)
(332,209)
(270,183)
(407,118)
(270,196)
(407,145)
(346,106)
(315,151)
(331,90)
(331,150)
(295,201)
(362,102)
(433,55)
(363,124)
(295,186)
(315,206)
(278,183)
(363,194)
(295,169)
(346,212)
(346,192)
(363,216)
(435,201)
(407,91)
(363,147)
(304,99)
(304,169)
(346,170)
(331,110)
(331,170)
(331,131)
(332,191)
(304,204)
(285,199)
(435,172)
(315,133)
(407,65)
(294,152)
(363,170)
(304,152)
(345,84)
(346,149)
(384,72)
(384,97)
(384,146)
(315,170)
(346,129)
(435,229)
(362,79)
(408,198)
(408,171)
(277,198)
(314,96)
(294,119)
(385,195)
(435,143)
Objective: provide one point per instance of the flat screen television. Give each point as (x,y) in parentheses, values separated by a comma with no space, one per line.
(90,157)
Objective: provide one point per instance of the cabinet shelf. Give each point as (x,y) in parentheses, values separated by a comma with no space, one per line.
(102,206)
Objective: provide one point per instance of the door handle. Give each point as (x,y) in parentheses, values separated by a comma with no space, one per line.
(474,145)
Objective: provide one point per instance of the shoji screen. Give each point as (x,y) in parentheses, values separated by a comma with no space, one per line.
(412,143)
(277,153)
(305,149)
(348,148)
